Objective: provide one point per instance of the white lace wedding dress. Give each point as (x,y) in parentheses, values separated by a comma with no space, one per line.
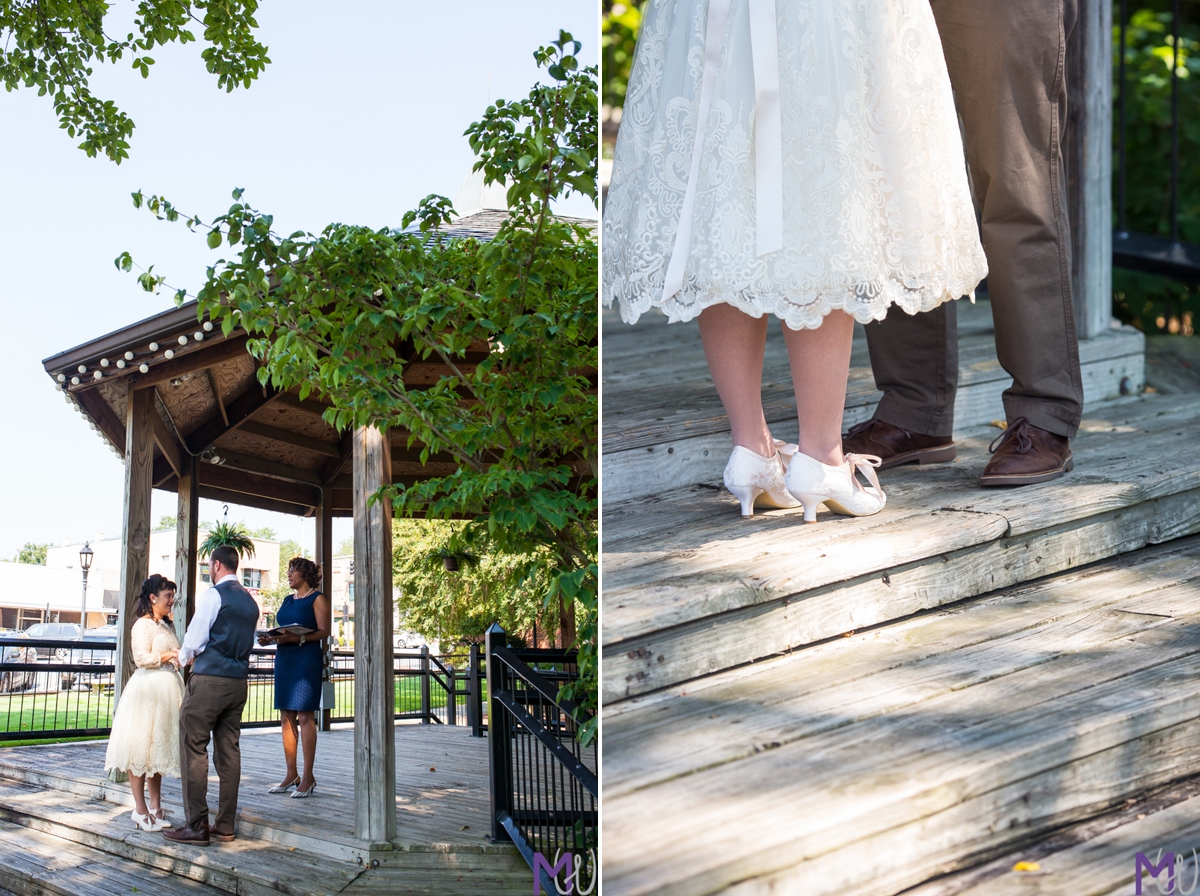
(145,729)
(789,158)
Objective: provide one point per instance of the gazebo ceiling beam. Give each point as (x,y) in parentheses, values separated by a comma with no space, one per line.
(206,355)
(170,449)
(237,412)
(246,483)
(311,405)
(216,391)
(333,468)
(251,464)
(230,497)
(275,434)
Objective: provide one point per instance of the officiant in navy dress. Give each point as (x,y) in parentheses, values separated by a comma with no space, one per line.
(298,663)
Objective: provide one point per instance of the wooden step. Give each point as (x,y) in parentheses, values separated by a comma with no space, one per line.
(247,867)
(879,761)
(1097,857)
(664,427)
(37,864)
(690,588)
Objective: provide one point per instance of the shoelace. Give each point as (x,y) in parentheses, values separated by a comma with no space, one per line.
(1019,430)
(865,464)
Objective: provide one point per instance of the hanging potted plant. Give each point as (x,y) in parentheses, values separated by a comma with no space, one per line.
(225,535)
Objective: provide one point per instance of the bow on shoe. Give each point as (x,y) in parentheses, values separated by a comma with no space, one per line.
(786,452)
(1019,430)
(865,464)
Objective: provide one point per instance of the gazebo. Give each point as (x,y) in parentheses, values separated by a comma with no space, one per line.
(181,404)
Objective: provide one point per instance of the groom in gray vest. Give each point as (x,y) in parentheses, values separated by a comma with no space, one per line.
(217,644)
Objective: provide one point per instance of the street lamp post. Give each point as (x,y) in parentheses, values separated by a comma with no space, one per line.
(85,563)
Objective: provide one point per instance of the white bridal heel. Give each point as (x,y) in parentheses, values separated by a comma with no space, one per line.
(147,823)
(838,488)
(754,479)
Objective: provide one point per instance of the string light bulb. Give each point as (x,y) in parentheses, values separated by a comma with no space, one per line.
(104,362)
(144,368)
(169,353)
(82,368)
(62,377)
(74,381)
(120,363)
(183,340)
(208,326)
(97,375)
(129,356)
(153,346)
(198,336)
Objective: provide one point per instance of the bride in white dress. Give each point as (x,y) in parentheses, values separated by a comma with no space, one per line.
(145,732)
(801,160)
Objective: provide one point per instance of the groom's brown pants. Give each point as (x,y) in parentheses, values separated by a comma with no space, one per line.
(1006,62)
(212,707)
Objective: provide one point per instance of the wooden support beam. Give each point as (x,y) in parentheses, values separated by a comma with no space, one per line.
(170,449)
(275,434)
(225,496)
(237,412)
(333,468)
(201,358)
(216,391)
(246,483)
(102,415)
(187,518)
(1087,152)
(374,678)
(135,528)
(235,460)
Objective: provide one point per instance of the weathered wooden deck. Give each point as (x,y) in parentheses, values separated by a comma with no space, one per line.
(66,828)
(870,704)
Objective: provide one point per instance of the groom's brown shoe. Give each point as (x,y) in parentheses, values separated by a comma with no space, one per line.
(895,446)
(197,836)
(1024,454)
(222,836)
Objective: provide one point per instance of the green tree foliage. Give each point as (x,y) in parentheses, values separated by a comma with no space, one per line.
(234,535)
(343,313)
(455,608)
(1149,302)
(51,45)
(166,522)
(273,597)
(34,554)
(265,533)
(619,27)
(345,549)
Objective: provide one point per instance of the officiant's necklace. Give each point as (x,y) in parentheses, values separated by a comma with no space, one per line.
(300,596)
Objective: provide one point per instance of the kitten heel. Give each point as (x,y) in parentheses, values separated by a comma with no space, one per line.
(746,494)
(810,503)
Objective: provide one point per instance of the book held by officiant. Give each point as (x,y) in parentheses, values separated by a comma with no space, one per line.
(289,630)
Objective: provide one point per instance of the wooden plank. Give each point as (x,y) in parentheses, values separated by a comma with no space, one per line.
(333,468)
(665,735)
(374,744)
(311,405)
(237,412)
(216,392)
(1036,747)
(276,434)
(135,525)
(187,546)
(102,415)
(171,450)
(226,496)
(247,483)
(324,554)
(192,360)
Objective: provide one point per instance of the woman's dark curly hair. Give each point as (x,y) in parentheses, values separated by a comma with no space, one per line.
(309,571)
(156,584)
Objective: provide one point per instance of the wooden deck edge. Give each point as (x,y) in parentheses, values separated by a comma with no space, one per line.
(637,465)
(672,656)
(251,826)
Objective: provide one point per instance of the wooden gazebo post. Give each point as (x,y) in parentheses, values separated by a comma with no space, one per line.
(374,677)
(324,552)
(186,548)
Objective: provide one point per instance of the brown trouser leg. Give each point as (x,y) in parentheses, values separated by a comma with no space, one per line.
(211,708)
(1006,62)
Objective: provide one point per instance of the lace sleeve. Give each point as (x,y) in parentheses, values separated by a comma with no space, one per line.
(141,641)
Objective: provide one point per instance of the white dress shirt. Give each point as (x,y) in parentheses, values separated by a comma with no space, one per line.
(208,605)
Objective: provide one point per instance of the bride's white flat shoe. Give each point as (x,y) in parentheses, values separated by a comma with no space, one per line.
(754,479)
(838,488)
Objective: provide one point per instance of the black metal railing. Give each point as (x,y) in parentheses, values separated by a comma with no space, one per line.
(59,689)
(1153,253)
(543,779)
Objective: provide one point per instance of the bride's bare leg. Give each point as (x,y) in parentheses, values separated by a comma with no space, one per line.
(154,790)
(734,343)
(820,361)
(137,783)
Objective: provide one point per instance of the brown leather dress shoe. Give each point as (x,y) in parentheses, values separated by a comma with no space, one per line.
(1024,454)
(197,836)
(895,446)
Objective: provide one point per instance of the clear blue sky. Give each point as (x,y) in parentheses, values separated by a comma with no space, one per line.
(359,116)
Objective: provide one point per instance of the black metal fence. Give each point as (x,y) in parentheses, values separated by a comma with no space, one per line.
(544,786)
(58,689)
(1153,253)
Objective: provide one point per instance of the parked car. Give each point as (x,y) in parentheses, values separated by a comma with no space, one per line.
(55,631)
(12,681)
(102,657)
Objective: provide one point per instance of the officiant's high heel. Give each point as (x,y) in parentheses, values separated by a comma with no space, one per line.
(304,794)
(284,786)
(837,487)
(754,479)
